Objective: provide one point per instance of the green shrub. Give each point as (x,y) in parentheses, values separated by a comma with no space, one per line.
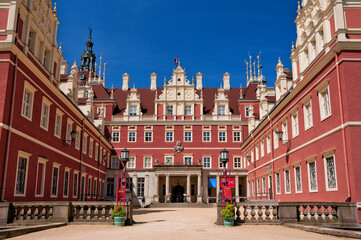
(118,211)
(228,212)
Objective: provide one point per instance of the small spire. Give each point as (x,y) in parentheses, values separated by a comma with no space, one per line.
(105,64)
(247,69)
(250,67)
(74,64)
(193,80)
(178,63)
(112,92)
(100,65)
(293,47)
(165,80)
(133,85)
(240,91)
(55,12)
(299,8)
(60,49)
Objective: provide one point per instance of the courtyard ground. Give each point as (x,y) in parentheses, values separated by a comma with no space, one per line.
(172,223)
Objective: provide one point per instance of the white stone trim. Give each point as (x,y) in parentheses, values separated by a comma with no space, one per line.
(26,155)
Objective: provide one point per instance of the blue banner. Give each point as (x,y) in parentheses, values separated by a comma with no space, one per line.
(212,182)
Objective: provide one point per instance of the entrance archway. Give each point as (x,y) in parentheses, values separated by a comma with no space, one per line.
(177,194)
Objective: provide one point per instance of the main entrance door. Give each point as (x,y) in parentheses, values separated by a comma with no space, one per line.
(177,194)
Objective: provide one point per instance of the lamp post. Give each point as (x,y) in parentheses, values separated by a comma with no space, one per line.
(224,160)
(124,157)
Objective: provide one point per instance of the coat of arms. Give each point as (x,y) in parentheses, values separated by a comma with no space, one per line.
(178,147)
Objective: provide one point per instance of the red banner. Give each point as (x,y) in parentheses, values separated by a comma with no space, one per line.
(231,182)
(227,192)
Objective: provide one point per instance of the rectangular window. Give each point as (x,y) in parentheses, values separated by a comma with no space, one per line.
(253,190)
(222,110)
(237,161)
(257,152)
(44,120)
(188,136)
(133,110)
(77,139)
(54,183)
(75,185)
(262,148)
(330,169)
(312,177)
(110,187)
(85,138)
(268,139)
(148,136)
(27,104)
(264,186)
(147,162)
(258,187)
(95,188)
(222,137)
(207,162)
(40,178)
(170,110)
(89,186)
(140,187)
(246,111)
(169,136)
(187,110)
(114,162)
(295,128)
(285,131)
(69,129)
(96,151)
(325,105)
(206,136)
(21,176)
(169,160)
(115,136)
(307,111)
(236,136)
(66,184)
(58,120)
(275,139)
(131,162)
(131,136)
(298,179)
(187,160)
(287,181)
(278,183)
(91,145)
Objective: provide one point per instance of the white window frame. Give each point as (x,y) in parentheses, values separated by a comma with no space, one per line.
(323,104)
(258,187)
(31,90)
(42,183)
(268,142)
(114,162)
(284,131)
(295,124)
(237,165)
(262,148)
(221,110)
(207,137)
(326,172)
(85,143)
(55,165)
(171,157)
(295,173)
(264,189)
(151,136)
(187,110)
(257,151)
(133,110)
(91,147)
(188,157)
(22,154)
(289,180)
(237,138)
(309,177)
(275,138)
(186,137)
(278,182)
(222,137)
(253,188)
(67,170)
(69,129)
(210,161)
(135,136)
(130,162)
(89,186)
(169,107)
(166,137)
(147,164)
(77,138)
(96,152)
(58,125)
(114,137)
(76,173)
(45,103)
(308,116)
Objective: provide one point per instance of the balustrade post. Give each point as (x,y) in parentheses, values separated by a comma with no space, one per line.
(287,212)
(4,213)
(61,211)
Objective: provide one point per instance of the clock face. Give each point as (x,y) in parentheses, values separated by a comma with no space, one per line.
(82,76)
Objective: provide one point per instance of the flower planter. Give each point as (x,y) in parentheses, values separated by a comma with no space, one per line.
(228,222)
(119,221)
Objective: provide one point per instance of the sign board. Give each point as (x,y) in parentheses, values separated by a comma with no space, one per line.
(121,192)
(231,182)
(212,182)
(227,192)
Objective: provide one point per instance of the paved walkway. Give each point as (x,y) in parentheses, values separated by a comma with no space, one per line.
(172,223)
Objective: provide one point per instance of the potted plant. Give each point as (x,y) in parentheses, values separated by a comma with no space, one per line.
(119,215)
(228,215)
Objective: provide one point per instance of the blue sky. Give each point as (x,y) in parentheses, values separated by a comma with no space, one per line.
(212,37)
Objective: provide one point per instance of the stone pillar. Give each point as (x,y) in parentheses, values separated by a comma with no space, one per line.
(189,188)
(61,211)
(4,213)
(135,186)
(199,189)
(156,194)
(167,188)
(146,187)
(237,188)
(218,187)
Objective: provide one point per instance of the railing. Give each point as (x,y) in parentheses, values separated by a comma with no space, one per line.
(30,212)
(315,213)
(92,211)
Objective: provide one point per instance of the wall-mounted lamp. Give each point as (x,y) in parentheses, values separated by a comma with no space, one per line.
(72,137)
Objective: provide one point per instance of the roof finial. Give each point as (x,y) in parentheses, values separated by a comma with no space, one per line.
(100,66)
(60,49)
(299,8)
(55,12)
(112,92)
(247,69)
(165,80)
(105,64)
(250,67)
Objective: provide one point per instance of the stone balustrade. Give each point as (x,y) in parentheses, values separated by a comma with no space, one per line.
(314,213)
(31,213)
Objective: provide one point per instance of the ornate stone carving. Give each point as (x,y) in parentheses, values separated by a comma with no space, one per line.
(178,147)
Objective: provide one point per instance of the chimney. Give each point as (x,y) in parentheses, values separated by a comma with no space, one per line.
(226,84)
(125,86)
(199,81)
(153,81)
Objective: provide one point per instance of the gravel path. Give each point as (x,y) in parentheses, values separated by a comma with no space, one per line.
(172,223)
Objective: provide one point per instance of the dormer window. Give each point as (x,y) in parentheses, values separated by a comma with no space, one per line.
(222,110)
(86,94)
(188,110)
(133,110)
(170,110)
